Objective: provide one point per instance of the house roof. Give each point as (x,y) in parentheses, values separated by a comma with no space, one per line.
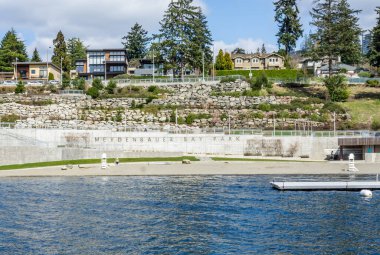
(114,49)
(255,55)
(36,63)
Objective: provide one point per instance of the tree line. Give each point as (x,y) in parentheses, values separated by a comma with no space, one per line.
(12,48)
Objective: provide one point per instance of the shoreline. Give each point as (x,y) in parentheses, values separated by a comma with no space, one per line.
(200,168)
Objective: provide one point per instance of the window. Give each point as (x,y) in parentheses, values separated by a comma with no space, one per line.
(96,68)
(239,61)
(117,56)
(255,60)
(116,68)
(96,58)
(79,67)
(33,71)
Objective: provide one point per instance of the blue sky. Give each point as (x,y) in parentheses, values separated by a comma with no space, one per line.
(233,23)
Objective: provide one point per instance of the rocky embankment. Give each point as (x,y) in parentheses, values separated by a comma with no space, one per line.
(197,106)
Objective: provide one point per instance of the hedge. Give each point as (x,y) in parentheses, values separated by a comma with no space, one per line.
(286,74)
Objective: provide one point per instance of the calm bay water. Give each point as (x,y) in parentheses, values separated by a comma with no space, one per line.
(184,215)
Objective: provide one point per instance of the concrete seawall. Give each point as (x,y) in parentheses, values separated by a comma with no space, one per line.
(38,145)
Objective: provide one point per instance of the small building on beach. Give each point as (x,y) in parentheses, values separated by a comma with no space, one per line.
(364,148)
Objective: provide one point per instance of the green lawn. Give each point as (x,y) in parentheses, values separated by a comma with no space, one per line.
(92,161)
(363,111)
(259,159)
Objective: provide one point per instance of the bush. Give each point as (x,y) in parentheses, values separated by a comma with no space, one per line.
(10,118)
(264,107)
(79,83)
(51,76)
(97,83)
(111,86)
(372,83)
(337,88)
(364,74)
(20,88)
(261,82)
(93,92)
(152,89)
(228,79)
(375,125)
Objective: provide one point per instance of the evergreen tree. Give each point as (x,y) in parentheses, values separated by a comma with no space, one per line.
(220,61)
(325,39)
(263,49)
(136,42)
(290,29)
(184,37)
(36,56)
(11,47)
(76,50)
(349,33)
(238,51)
(374,52)
(60,52)
(258,51)
(227,61)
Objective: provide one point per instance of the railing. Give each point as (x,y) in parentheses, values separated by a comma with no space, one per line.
(121,127)
(71,92)
(159,81)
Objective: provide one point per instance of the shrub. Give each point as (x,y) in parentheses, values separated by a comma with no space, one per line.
(111,86)
(375,125)
(372,83)
(152,89)
(364,74)
(337,88)
(10,118)
(51,77)
(97,83)
(79,83)
(264,107)
(257,115)
(228,79)
(20,88)
(93,92)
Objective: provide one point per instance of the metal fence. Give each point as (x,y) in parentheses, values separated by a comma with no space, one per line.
(189,130)
(163,81)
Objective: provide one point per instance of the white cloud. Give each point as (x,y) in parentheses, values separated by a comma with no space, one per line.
(100,24)
(248,44)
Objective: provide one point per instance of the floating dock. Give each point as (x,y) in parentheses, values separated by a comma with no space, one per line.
(325,185)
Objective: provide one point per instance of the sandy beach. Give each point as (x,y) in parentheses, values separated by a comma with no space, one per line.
(197,168)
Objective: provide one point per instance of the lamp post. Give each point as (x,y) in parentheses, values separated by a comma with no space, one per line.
(153,65)
(16,69)
(203,66)
(213,64)
(47,65)
(61,72)
(250,69)
(105,70)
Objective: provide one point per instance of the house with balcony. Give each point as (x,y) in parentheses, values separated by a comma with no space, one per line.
(258,61)
(145,67)
(102,63)
(35,70)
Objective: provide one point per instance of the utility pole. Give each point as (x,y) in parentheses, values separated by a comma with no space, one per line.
(334,124)
(47,65)
(213,63)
